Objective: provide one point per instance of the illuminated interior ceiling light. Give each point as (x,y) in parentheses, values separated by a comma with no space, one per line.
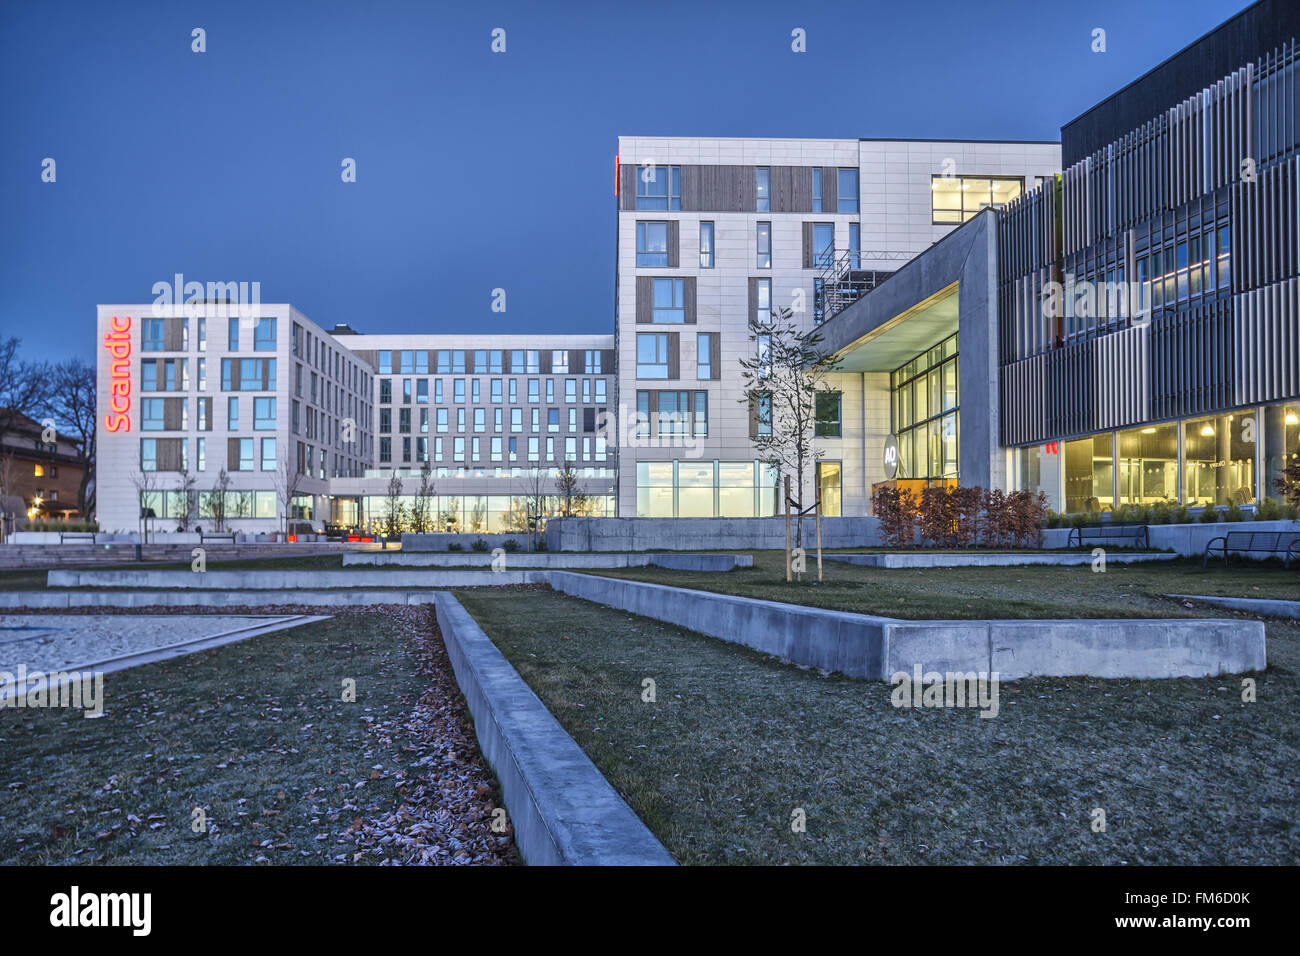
(1207,430)
(1292,418)
(1150,430)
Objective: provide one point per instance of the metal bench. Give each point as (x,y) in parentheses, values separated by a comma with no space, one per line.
(1285,544)
(65,536)
(217,535)
(1135,531)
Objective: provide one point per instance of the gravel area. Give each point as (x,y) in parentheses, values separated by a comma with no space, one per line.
(49,642)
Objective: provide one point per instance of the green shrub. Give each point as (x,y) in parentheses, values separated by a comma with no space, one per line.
(1180,515)
(455,546)
(1232,512)
(480,544)
(1209,515)
(1267,510)
(511,545)
(1161,512)
(58,526)
(1053,519)
(1287,512)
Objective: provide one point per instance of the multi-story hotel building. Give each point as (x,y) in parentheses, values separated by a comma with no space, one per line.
(1125,331)
(311,425)
(714,232)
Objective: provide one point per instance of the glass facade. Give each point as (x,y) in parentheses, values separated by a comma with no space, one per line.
(1215,460)
(705,489)
(486,514)
(924,405)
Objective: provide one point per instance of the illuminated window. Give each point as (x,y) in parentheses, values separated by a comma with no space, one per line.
(954,199)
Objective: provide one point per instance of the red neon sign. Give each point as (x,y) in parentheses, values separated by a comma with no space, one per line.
(1052,448)
(118,344)
(616,175)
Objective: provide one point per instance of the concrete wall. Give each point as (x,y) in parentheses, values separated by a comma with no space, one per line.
(552,559)
(440,542)
(563,810)
(699,534)
(277,579)
(1188,540)
(861,645)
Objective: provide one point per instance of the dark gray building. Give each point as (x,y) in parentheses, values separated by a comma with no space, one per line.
(1148,313)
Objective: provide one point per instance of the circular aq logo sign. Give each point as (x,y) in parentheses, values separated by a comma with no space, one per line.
(891,457)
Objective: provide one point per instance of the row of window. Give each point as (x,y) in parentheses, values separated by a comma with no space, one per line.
(491,361)
(153,334)
(442,419)
(592,448)
(652,251)
(660,188)
(244,454)
(500,390)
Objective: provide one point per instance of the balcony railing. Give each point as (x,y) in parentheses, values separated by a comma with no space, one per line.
(843,280)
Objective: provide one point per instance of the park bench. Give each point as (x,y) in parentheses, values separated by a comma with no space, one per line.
(1285,544)
(217,536)
(1135,531)
(65,536)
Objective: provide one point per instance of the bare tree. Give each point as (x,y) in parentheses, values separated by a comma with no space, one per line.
(185,485)
(216,501)
(7,481)
(146,487)
(534,495)
(572,500)
(71,402)
(422,507)
(287,480)
(25,387)
(393,509)
(783,378)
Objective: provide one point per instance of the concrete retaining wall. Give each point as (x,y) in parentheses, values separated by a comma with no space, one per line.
(563,810)
(861,645)
(987,559)
(185,598)
(702,534)
(279,579)
(1188,540)
(552,559)
(440,540)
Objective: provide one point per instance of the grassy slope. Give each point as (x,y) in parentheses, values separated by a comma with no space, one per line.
(1122,591)
(1186,772)
(254,732)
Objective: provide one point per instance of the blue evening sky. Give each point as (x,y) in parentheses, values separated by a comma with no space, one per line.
(475,170)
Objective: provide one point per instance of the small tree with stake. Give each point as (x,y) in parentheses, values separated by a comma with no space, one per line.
(393,509)
(572,500)
(787,370)
(287,480)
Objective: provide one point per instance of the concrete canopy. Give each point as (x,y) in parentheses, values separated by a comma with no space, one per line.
(899,340)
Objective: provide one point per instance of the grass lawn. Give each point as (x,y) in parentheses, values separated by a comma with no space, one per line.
(256,734)
(1035,591)
(1185,771)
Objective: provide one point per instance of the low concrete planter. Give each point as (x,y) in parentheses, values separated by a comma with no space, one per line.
(988,559)
(703,534)
(549,559)
(188,598)
(861,645)
(280,580)
(1188,540)
(563,810)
